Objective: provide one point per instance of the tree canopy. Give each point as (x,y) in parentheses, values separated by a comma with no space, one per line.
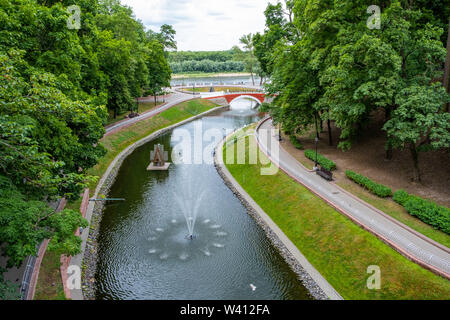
(57,85)
(326,61)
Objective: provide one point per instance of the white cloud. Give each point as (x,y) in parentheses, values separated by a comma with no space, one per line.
(203,24)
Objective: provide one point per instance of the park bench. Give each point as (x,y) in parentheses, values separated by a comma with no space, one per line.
(133,115)
(324,173)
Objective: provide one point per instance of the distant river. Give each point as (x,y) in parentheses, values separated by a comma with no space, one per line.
(236,80)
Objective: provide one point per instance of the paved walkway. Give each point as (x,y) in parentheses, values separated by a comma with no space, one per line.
(171,100)
(408,242)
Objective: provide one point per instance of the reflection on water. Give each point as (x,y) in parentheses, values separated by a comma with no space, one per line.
(143,249)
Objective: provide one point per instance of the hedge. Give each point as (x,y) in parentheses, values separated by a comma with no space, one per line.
(324,162)
(376,188)
(428,211)
(295,142)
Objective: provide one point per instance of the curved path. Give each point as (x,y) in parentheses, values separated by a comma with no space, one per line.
(175,98)
(408,242)
(172,100)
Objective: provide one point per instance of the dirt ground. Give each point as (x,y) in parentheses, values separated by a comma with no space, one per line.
(367,157)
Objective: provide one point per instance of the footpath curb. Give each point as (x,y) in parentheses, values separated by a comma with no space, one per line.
(316,284)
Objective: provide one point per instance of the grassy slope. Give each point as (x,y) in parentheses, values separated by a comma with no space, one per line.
(337,247)
(49,285)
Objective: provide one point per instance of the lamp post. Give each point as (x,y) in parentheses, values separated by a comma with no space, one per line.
(316,165)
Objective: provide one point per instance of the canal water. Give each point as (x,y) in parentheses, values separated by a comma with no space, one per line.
(143,249)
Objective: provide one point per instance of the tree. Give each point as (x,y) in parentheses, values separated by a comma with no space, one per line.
(165,36)
(418,123)
(250,60)
(446,79)
(8,290)
(159,70)
(24,224)
(46,139)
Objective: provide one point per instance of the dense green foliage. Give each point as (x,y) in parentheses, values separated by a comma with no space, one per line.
(427,211)
(327,62)
(233,60)
(216,56)
(322,160)
(207,66)
(57,84)
(376,188)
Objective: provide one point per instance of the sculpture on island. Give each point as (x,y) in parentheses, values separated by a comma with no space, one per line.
(158,158)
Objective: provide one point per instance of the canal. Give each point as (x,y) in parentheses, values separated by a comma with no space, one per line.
(143,252)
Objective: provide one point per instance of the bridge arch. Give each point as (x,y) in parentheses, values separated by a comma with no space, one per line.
(244,96)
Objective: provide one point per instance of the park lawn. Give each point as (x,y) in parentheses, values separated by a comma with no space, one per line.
(49,285)
(117,142)
(397,212)
(143,107)
(339,249)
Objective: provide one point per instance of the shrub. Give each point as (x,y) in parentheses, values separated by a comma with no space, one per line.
(376,188)
(401,196)
(428,211)
(296,143)
(323,161)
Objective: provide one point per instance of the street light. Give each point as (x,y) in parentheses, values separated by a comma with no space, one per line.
(316,165)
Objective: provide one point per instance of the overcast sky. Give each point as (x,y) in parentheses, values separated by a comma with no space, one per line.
(203,24)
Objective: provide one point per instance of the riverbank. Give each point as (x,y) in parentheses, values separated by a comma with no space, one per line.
(88,259)
(339,249)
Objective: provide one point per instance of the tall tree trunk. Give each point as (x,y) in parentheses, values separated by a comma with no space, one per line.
(389,152)
(155,100)
(253,78)
(330,135)
(447,68)
(415,157)
(389,149)
(115,113)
